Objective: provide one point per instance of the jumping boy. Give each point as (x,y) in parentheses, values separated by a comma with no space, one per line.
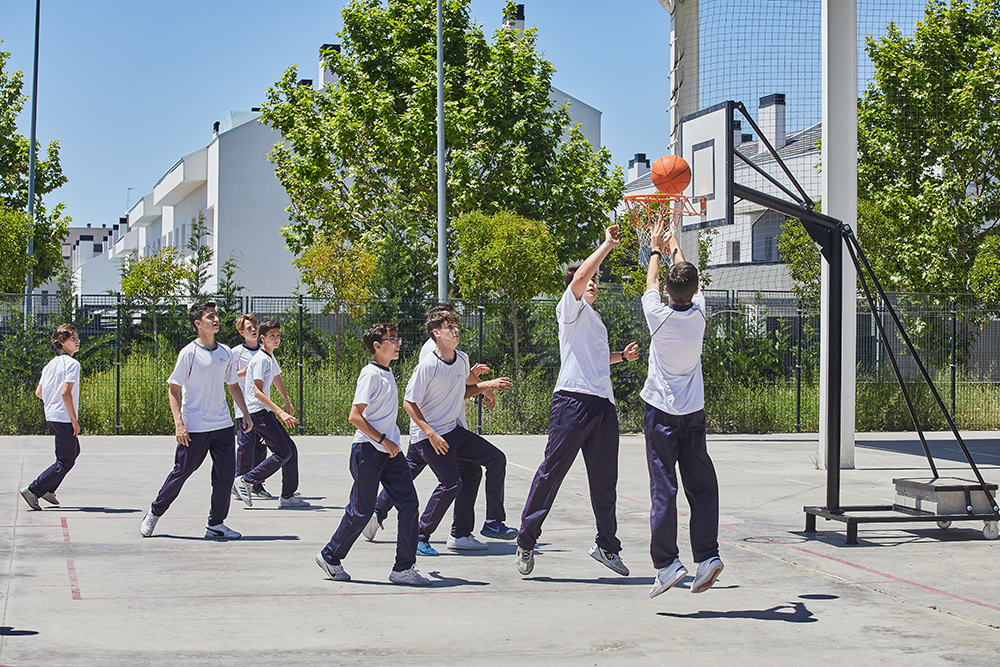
(674,422)
(495,464)
(375,459)
(435,401)
(250,449)
(59,389)
(202,421)
(262,370)
(583,417)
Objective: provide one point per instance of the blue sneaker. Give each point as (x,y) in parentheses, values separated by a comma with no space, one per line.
(498,531)
(425,549)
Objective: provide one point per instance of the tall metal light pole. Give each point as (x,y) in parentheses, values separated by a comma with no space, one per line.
(28,286)
(442,199)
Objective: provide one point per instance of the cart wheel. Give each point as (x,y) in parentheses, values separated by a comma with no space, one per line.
(991,530)
(944,525)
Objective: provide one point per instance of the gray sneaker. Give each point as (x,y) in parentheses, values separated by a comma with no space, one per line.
(51,499)
(374,525)
(466,543)
(148,523)
(294,502)
(221,532)
(409,578)
(335,572)
(525,561)
(708,571)
(243,489)
(30,498)
(611,560)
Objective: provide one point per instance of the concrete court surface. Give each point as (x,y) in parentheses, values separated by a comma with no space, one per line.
(81,587)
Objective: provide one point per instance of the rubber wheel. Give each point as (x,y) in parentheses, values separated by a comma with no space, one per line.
(991,530)
(944,525)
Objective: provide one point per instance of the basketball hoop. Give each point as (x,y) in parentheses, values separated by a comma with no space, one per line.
(648,209)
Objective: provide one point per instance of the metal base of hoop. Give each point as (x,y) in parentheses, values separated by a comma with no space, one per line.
(646,210)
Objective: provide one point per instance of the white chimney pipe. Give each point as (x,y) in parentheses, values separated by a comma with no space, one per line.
(771,118)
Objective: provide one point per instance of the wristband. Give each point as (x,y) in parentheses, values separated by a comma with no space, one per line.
(381,439)
(655,252)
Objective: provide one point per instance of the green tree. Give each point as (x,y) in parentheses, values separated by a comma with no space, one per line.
(505,256)
(229,298)
(985,276)
(153,281)
(50,225)
(929,147)
(362,153)
(201,258)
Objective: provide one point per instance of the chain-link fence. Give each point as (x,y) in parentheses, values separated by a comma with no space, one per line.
(761,360)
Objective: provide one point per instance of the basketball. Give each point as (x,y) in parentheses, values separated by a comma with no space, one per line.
(671,174)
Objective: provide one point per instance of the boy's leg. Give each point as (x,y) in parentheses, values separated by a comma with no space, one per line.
(600,454)
(220,446)
(266,426)
(366,469)
(397,480)
(445,468)
(475,449)
(290,469)
(67,449)
(246,449)
(567,427)
(416,465)
(701,486)
(186,461)
(662,435)
(464,518)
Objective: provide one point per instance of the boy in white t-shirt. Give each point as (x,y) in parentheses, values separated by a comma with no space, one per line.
(583,417)
(59,389)
(375,459)
(674,422)
(250,449)
(262,370)
(435,401)
(203,424)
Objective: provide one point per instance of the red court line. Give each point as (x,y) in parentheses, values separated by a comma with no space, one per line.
(65,528)
(73,583)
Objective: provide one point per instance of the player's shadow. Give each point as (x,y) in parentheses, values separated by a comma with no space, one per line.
(6,631)
(614,581)
(451,582)
(97,510)
(796,612)
(245,538)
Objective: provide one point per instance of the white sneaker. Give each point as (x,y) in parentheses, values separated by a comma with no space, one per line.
(50,498)
(467,543)
(148,523)
(667,577)
(372,528)
(335,572)
(220,532)
(243,489)
(525,561)
(293,502)
(30,498)
(611,560)
(708,571)
(236,493)
(409,578)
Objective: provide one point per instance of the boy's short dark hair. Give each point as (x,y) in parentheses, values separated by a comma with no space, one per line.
(197,310)
(375,333)
(443,306)
(437,319)
(267,326)
(682,282)
(570,272)
(62,333)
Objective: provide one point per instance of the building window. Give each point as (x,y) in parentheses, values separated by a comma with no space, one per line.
(768,248)
(734,252)
(766,230)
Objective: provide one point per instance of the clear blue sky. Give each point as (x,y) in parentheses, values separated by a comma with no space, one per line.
(128,88)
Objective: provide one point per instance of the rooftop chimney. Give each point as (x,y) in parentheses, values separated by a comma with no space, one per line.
(737,133)
(518,19)
(327,77)
(771,118)
(637,167)
(215,129)
(306,82)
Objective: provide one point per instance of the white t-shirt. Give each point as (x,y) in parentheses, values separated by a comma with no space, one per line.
(583,349)
(426,349)
(674,383)
(377,390)
(62,369)
(203,375)
(264,367)
(438,389)
(241,357)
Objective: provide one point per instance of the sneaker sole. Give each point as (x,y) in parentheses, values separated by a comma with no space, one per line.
(708,583)
(33,505)
(663,588)
(323,565)
(212,535)
(505,536)
(596,555)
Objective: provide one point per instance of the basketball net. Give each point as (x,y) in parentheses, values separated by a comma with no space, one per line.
(645,211)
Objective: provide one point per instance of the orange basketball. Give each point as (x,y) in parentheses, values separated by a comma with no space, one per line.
(671,174)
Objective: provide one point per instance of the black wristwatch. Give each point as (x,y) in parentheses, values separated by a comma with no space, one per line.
(381,439)
(655,252)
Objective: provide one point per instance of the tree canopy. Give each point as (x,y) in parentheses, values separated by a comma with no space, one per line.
(154,280)
(361,154)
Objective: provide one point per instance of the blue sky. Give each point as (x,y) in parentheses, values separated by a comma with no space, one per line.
(128,88)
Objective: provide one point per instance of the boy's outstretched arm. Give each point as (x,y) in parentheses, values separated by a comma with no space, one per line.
(590,265)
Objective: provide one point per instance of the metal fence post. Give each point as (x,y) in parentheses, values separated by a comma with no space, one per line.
(954,345)
(798,368)
(302,405)
(118,363)
(479,399)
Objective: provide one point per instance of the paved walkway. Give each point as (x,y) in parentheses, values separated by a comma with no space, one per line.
(80,587)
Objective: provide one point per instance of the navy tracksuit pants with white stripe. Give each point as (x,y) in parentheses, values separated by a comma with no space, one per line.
(285,456)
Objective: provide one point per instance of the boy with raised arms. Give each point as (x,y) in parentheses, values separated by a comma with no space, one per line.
(202,421)
(375,459)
